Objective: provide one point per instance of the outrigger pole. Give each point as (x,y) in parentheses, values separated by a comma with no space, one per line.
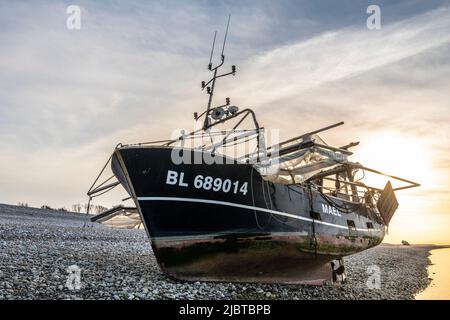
(300,145)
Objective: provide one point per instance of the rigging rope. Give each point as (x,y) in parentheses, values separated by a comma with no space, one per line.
(344,209)
(313,218)
(253,200)
(271,205)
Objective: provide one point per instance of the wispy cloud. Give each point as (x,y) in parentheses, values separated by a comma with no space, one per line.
(294,68)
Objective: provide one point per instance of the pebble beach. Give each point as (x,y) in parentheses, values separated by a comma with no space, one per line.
(40,247)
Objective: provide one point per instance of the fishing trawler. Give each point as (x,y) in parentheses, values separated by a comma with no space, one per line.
(281,213)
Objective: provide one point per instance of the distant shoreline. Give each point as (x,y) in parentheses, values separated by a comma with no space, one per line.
(38,245)
(424,245)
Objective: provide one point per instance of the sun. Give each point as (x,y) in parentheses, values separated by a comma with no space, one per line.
(396,154)
(421,216)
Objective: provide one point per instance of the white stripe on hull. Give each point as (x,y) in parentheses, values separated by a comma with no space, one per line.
(243,206)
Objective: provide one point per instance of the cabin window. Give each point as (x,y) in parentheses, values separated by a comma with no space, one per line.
(315,215)
(351,224)
(369,225)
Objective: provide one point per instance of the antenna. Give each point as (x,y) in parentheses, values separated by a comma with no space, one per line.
(226,34)
(217,114)
(212,51)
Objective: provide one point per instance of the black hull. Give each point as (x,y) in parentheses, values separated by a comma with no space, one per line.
(246,230)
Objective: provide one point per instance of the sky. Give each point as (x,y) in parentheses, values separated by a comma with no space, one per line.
(132,72)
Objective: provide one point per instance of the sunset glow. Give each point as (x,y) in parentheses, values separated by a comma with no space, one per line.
(409,157)
(395,154)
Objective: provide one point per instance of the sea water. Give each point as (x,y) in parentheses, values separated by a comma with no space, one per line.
(439,271)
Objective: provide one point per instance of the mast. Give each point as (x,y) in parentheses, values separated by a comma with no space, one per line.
(215,115)
(220,111)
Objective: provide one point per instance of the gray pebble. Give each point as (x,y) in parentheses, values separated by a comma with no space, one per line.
(36,250)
